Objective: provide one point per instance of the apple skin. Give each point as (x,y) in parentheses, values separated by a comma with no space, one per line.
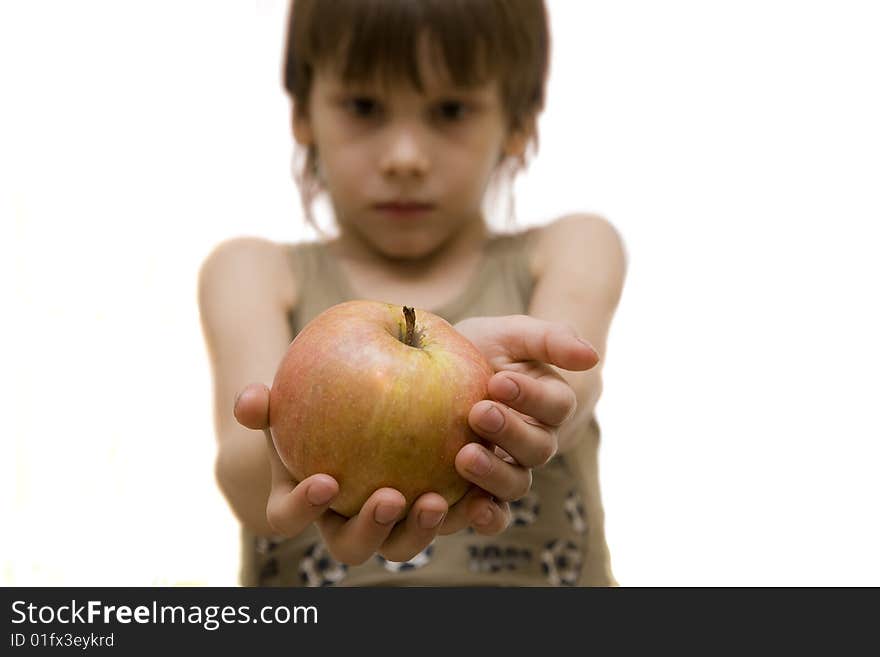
(351,399)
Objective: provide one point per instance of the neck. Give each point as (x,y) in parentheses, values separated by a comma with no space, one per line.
(461,246)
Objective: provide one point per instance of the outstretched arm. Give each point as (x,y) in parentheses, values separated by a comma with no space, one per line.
(579,263)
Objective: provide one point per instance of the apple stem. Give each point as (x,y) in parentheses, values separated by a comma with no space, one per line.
(410,315)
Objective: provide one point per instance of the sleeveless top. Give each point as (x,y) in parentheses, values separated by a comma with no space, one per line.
(556,536)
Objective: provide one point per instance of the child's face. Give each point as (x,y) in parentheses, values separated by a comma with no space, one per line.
(382,146)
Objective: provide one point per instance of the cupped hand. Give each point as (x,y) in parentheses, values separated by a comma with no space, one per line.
(293,505)
(529,403)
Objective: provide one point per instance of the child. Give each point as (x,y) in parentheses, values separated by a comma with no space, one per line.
(408,113)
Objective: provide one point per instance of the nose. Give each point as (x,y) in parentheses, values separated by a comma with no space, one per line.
(405,154)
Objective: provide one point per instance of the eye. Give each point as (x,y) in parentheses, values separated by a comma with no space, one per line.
(362,107)
(450,111)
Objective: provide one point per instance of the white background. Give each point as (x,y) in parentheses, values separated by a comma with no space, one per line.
(735,145)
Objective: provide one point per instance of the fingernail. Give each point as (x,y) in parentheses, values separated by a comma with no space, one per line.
(589,346)
(492,420)
(479,464)
(385,514)
(430,519)
(484,517)
(319,495)
(507,389)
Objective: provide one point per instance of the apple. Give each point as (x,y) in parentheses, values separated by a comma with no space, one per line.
(377,395)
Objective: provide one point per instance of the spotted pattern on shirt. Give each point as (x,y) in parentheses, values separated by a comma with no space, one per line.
(318,568)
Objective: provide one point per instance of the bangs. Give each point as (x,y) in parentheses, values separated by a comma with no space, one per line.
(470,41)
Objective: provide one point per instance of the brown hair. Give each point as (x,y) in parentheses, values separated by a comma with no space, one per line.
(367,40)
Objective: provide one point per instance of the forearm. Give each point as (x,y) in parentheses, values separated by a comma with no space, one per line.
(244,477)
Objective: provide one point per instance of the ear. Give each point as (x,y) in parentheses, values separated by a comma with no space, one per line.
(302,128)
(517,141)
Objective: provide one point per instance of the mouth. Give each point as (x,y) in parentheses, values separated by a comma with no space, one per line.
(404,208)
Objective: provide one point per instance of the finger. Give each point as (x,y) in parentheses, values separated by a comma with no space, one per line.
(354,540)
(488,516)
(291,505)
(457,517)
(281,477)
(251,407)
(460,514)
(291,508)
(505,481)
(409,538)
(549,342)
(548,398)
(529,441)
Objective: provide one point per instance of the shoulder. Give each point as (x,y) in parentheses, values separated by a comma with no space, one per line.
(578,247)
(575,236)
(251,265)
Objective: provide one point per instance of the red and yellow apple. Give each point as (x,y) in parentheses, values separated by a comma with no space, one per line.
(377,395)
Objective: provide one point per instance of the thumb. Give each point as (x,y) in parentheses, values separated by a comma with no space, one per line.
(251,406)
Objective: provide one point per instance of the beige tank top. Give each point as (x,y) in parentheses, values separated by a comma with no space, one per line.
(556,536)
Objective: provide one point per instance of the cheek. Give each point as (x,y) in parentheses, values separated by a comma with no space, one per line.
(343,170)
(469,173)
(341,159)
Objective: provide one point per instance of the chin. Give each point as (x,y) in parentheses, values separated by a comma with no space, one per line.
(406,255)
(406,248)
